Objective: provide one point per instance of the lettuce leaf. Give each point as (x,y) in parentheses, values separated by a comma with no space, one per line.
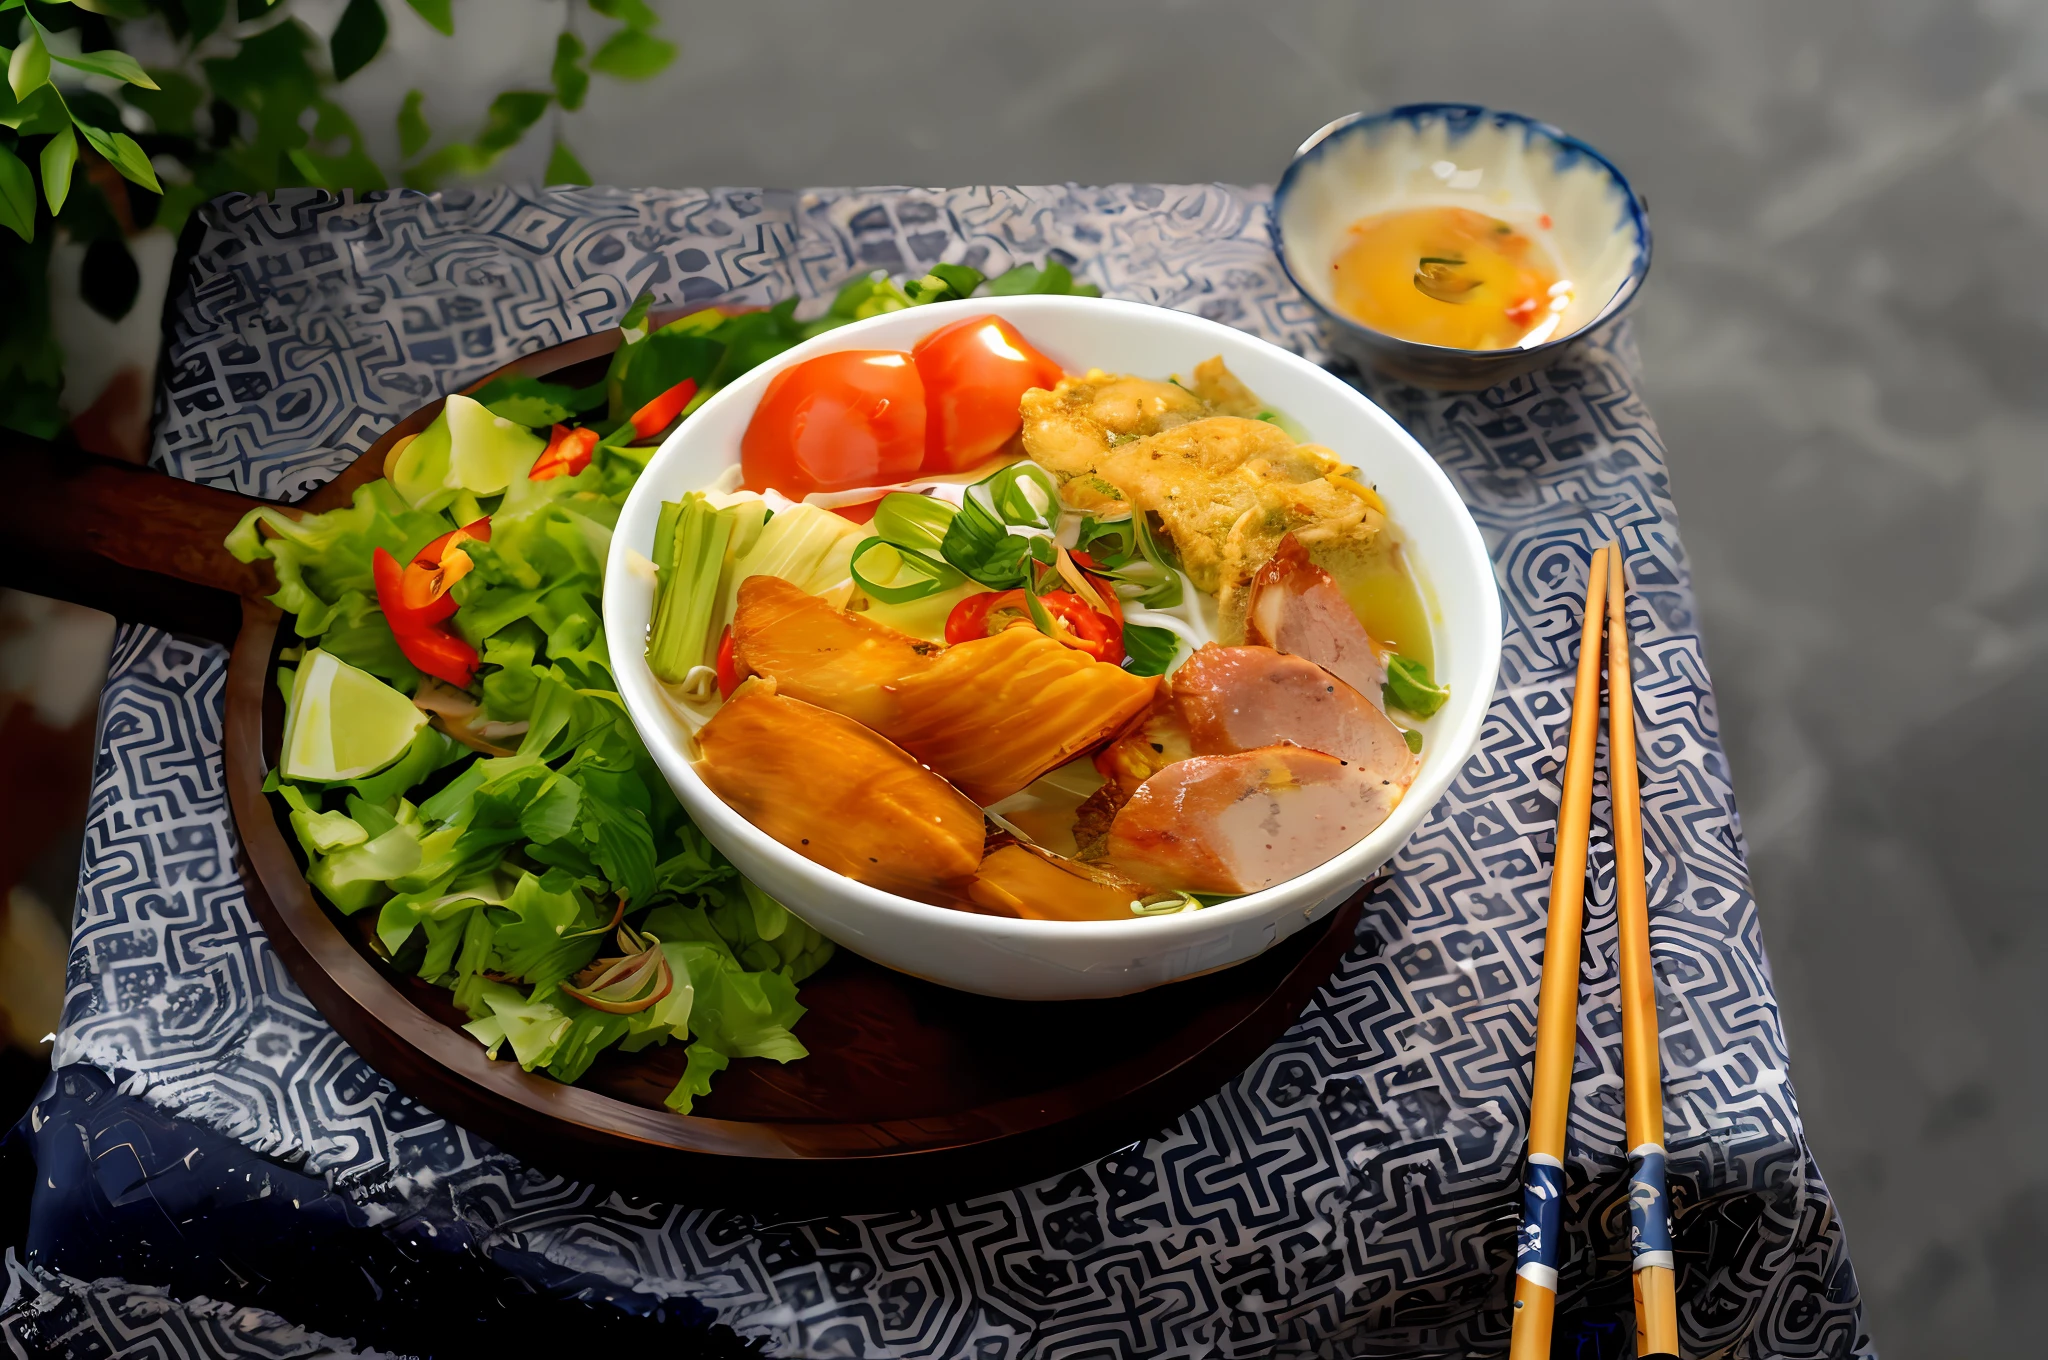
(321,558)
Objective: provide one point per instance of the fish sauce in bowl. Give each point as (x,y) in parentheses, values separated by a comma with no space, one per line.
(1449,276)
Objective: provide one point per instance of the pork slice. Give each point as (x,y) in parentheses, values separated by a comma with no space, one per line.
(1242,698)
(1239,823)
(1297,608)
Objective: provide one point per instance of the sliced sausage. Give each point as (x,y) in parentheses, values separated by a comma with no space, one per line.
(1242,698)
(1239,823)
(1297,608)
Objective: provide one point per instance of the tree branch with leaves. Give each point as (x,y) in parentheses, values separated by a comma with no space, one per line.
(95,143)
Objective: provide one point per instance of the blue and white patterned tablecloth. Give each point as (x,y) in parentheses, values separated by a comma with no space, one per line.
(1354,1192)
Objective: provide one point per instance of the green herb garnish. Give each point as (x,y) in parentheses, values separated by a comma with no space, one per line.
(1410,688)
(1149,650)
(532,402)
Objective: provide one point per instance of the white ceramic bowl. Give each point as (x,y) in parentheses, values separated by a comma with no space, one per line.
(998,956)
(1551,185)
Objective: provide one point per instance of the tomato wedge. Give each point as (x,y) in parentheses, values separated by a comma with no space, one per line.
(856,418)
(990,612)
(975,373)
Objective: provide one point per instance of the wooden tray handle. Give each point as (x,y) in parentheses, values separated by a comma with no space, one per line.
(143,546)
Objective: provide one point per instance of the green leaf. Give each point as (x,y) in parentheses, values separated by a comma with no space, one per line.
(563,167)
(413,132)
(268,69)
(43,111)
(439,13)
(1110,543)
(531,925)
(945,283)
(753,338)
(170,100)
(532,402)
(705,1063)
(29,68)
(631,13)
(1148,650)
(357,38)
(457,158)
(430,751)
(17,196)
(631,54)
(115,9)
(662,360)
(871,295)
(60,154)
(348,168)
(511,114)
(572,82)
(1409,687)
(1053,278)
(202,17)
(109,62)
(624,846)
(90,106)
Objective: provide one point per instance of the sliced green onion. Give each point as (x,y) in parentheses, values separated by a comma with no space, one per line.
(1011,490)
(905,575)
(911,521)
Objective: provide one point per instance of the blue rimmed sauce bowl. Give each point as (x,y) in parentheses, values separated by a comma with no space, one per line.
(1547,183)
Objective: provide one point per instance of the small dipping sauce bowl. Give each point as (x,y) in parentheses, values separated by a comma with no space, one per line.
(1547,184)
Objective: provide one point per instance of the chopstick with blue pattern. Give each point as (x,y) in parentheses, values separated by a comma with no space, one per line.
(1649,1203)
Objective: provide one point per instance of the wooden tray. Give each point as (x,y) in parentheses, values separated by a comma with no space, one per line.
(913,1094)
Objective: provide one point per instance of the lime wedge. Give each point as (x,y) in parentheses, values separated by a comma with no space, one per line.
(467,448)
(343,723)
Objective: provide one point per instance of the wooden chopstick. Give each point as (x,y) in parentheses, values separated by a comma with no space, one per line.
(1557,1006)
(1649,1208)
